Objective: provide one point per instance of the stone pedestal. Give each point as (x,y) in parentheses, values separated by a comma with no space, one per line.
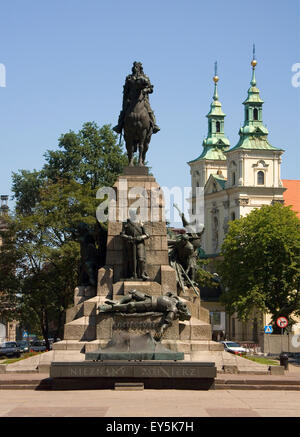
(85,329)
(133,189)
(153,374)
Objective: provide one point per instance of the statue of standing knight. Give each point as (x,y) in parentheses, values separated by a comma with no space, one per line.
(134,236)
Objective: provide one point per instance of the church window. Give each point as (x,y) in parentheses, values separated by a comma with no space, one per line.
(247,114)
(233,216)
(215,234)
(255,114)
(260,178)
(218,127)
(233,178)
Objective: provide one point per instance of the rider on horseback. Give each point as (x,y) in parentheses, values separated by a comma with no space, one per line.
(137,73)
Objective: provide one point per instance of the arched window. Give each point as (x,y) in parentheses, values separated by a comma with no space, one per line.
(209,127)
(233,216)
(218,126)
(215,234)
(255,114)
(247,114)
(233,178)
(260,178)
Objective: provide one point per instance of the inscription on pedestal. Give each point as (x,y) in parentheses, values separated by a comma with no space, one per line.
(133,370)
(103,371)
(137,323)
(132,325)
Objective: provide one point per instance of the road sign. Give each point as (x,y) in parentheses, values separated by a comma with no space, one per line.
(25,334)
(282,322)
(268,329)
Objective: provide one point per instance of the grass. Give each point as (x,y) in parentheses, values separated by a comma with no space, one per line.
(22,357)
(262,360)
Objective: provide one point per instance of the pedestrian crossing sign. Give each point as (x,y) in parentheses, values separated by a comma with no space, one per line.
(268,329)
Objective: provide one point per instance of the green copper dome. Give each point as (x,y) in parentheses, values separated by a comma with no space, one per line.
(253,134)
(216,142)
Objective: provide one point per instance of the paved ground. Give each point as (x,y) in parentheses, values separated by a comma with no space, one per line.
(152,403)
(149,403)
(220,358)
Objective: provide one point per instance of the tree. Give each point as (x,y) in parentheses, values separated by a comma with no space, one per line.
(92,156)
(204,278)
(261,264)
(39,260)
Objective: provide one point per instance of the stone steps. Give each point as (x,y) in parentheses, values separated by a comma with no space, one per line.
(84,328)
(26,385)
(83,293)
(86,308)
(257,384)
(192,346)
(256,387)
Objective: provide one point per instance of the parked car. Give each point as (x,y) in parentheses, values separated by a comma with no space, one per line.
(38,346)
(23,345)
(233,347)
(9,349)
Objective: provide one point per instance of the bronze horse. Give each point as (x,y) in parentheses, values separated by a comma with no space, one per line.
(138,128)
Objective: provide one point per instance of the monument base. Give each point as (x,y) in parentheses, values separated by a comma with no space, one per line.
(154,375)
(124,346)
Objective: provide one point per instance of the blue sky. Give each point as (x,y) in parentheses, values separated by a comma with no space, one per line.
(66,61)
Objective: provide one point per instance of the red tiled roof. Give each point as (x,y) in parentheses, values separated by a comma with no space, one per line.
(291,196)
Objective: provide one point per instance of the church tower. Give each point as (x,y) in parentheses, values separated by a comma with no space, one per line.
(212,159)
(239,179)
(253,165)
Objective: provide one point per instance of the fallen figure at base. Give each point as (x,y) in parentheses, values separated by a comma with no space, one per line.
(137,302)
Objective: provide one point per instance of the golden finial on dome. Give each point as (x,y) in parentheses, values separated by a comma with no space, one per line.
(254,61)
(216,77)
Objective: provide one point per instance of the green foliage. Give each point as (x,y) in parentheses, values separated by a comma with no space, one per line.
(261,263)
(26,186)
(262,360)
(203,276)
(38,259)
(22,357)
(92,156)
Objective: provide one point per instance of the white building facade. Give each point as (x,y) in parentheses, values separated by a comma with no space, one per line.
(236,180)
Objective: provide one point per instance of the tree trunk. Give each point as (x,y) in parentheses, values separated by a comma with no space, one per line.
(59,325)
(45,329)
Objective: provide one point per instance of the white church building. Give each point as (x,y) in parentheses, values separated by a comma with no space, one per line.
(239,178)
(236,179)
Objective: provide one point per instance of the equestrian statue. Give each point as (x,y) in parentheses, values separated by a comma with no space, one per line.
(136,118)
